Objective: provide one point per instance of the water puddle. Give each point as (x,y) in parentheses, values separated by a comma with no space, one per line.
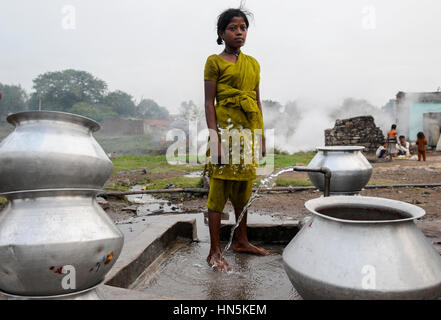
(148,204)
(185,274)
(182,271)
(194,174)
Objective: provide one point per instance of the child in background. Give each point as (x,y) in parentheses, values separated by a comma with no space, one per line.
(403,146)
(381,151)
(421,143)
(392,136)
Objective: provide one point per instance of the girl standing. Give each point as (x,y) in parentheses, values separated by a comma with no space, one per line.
(421,142)
(232,78)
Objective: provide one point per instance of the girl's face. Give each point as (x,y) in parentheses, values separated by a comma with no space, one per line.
(235,33)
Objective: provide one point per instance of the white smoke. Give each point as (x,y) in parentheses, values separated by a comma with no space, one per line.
(360,107)
(300,125)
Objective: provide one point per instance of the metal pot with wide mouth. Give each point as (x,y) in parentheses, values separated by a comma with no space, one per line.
(363,248)
(350,169)
(43,231)
(50,150)
(55,239)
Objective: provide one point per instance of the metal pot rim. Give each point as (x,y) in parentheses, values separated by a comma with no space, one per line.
(49,193)
(317,203)
(340,148)
(18,117)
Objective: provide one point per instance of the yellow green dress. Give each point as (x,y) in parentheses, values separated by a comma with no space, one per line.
(236,108)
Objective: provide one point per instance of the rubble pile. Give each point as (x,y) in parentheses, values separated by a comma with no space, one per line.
(357,131)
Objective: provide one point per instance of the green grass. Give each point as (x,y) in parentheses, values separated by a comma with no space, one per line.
(285,182)
(282,161)
(381,182)
(123,145)
(178,182)
(157,164)
(116,187)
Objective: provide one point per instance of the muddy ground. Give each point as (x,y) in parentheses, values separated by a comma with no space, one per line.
(291,205)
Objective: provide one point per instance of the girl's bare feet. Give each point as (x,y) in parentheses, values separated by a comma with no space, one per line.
(249,248)
(217,262)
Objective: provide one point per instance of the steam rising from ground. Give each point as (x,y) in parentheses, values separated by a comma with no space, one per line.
(299,126)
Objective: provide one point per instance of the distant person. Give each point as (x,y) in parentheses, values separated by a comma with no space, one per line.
(114,155)
(392,136)
(403,146)
(109,155)
(421,143)
(381,151)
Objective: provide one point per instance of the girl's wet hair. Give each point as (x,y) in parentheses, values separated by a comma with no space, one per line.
(420,135)
(225,18)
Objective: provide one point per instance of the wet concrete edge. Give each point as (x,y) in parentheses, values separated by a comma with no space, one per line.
(137,259)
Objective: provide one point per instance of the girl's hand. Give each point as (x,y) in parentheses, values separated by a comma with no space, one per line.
(220,152)
(263,147)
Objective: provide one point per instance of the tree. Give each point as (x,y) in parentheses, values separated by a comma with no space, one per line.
(87,110)
(121,103)
(97,112)
(190,111)
(60,90)
(13,99)
(149,109)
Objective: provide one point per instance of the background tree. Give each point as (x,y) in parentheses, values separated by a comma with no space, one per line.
(97,112)
(121,103)
(60,90)
(190,111)
(13,100)
(87,110)
(149,109)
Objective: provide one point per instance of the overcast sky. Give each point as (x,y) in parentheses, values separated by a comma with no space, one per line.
(317,50)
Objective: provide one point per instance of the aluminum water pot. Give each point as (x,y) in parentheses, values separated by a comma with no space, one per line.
(49,150)
(357,247)
(350,169)
(46,236)
(55,239)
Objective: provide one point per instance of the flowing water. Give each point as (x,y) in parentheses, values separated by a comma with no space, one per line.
(182,272)
(267,182)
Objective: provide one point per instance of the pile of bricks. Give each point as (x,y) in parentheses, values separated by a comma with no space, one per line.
(357,131)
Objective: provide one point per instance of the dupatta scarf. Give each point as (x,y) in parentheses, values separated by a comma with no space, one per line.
(237,115)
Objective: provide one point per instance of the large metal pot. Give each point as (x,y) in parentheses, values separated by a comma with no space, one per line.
(40,232)
(54,237)
(349,167)
(49,150)
(362,248)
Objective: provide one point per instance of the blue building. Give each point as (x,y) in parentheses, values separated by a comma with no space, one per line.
(419,111)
